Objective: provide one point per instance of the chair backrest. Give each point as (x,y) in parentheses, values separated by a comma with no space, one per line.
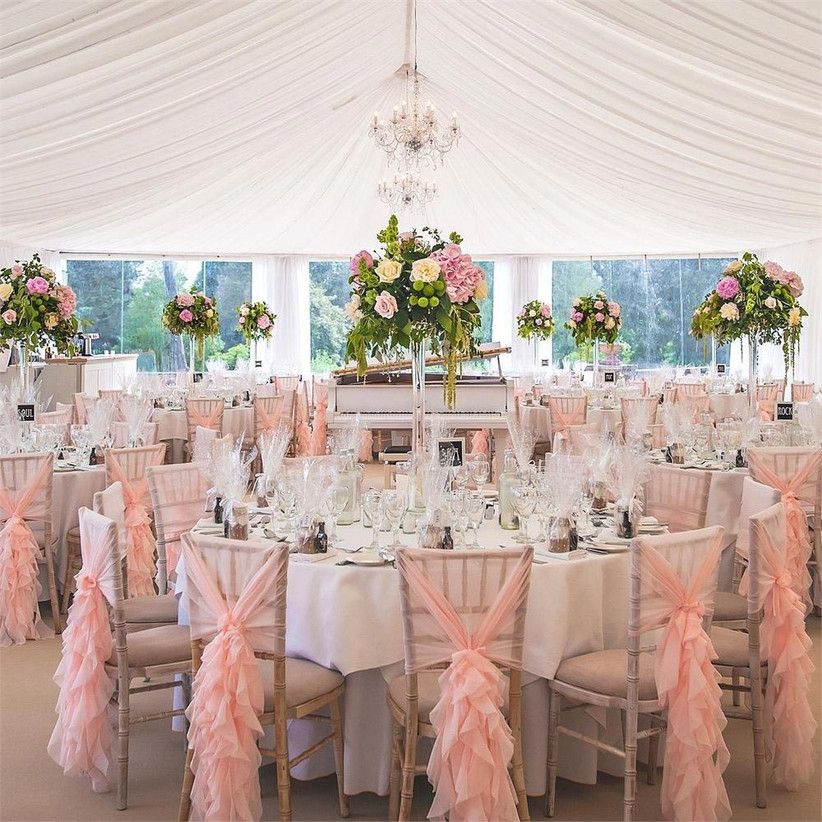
(205,412)
(268,389)
(178,498)
(471,583)
(267,414)
(786,463)
(801,391)
(583,438)
(288,383)
(769,391)
(119,434)
(567,411)
(688,389)
(133,462)
(62,417)
(82,402)
(101,552)
(641,384)
(111,504)
(638,413)
(756,497)
(678,496)
(26,482)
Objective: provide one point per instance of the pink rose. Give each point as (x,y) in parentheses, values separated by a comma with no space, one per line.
(538,321)
(185,300)
(363,256)
(386,305)
(186,316)
(263,321)
(37,285)
(545,310)
(16,271)
(577,316)
(727,288)
(451,251)
(207,300)
(10,316)
(788,278)
(599,317)
(599,304)
(613,309)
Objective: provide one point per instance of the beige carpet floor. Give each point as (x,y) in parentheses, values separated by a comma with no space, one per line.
(33,788)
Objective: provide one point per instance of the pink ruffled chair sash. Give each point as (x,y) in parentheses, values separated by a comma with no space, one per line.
(688,688)
(797,538)
(468,766)
(786,646)
(479,442)
(81,740)
(228,696)
(19,554)
(139,538)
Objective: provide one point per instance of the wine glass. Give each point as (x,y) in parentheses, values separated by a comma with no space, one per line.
(393,508)
(371,506)
(524,502)
(336,505)
(456,509)
(474,511)
(462,474)
(480,471)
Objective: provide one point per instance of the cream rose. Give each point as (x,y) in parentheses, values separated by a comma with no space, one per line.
(610,323)
(481,291)
(425,271)
(771,302)
(52,320)
(733,267)
(5,291)
(794,316)
(389,270)
(729,311)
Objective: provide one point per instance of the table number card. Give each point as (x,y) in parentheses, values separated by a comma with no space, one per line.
(609,377)
(721,368)
(258,363)
(25,412)
(784,411)
(198,376)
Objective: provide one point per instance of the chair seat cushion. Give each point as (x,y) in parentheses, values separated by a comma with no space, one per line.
(731,646)
(428,692)
(304,681)
(606,672)
(157,646)
(728,606)
(156,609)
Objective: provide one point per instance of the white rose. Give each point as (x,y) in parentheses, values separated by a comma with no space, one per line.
(609,323)
(729,311)
(532,313)
(210,312)
(425,271)
(352,309)
(389,270)
(243,310)
(5,291)
(577,302)
(733,267)
(771,302)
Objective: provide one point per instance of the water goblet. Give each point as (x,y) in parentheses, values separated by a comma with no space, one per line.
(524,502)
(393,509)
(462,474)
(474,511)
(480,470)
(336,505)
(371,506)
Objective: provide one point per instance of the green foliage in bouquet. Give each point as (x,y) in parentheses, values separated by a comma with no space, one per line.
(35,309)
(194,314)
(753,299)
(256,321)
(594,317)
(417,288)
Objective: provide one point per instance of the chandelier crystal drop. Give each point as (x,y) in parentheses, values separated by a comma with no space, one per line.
(407,191)
(414,137)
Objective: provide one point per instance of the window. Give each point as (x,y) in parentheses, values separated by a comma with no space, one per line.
(657,297)
(122,301)
(329,292)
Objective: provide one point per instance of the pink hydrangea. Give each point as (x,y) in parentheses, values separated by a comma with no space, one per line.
(9,316)
(263,321)
(16,271)
(577,316)
(599,317)
(545,310)
(37,285)
(459,272)
(727,288)
(363,256)
(186,316)
(185,300)
(386,305)
(66,301)
(614,309)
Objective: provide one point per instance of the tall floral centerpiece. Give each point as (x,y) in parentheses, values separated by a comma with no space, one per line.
(754,300)
(35,311)
(417,292)
(535,323)
(256,322)
(194,315)
(594,319)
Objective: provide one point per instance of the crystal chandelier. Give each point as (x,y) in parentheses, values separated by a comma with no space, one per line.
(414,137)
(407,191)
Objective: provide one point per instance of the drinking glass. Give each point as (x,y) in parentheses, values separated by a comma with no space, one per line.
(456,510)
(524,502)
(371,506)
(336,505)
(461,476)
(480,471)
(393,509)
(474,511)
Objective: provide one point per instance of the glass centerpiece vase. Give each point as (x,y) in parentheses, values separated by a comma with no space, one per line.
(753,354)
(24,364)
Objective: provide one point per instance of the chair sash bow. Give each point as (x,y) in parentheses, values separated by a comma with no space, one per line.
(212,420)
(268,420)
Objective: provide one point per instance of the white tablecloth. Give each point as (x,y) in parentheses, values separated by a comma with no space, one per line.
(728,405)
(171,423)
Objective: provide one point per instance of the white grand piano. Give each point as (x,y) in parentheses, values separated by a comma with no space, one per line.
(382,398)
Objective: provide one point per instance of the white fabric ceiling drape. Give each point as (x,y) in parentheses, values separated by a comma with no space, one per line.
(282,282)
(589,126)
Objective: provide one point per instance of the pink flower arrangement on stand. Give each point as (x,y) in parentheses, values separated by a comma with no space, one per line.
(194,315)
(256,323)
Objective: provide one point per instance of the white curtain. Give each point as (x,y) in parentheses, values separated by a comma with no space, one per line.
(282,282)
(517,280)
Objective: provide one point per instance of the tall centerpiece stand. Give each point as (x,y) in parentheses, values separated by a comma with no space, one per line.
(596,363)
(24,364)
(753,354)
(417,352)
(535,323)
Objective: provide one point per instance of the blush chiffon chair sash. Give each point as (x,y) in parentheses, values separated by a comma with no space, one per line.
(81,740)
(319,432)
(797,537)
(687,688)
(228,689)
(212,420)
(786,646)
(469,762)
(140,541)
(302,432)
(19,553)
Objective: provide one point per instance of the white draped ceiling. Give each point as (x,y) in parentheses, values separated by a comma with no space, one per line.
(240,126)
